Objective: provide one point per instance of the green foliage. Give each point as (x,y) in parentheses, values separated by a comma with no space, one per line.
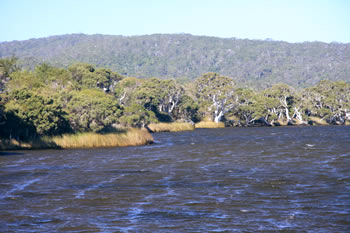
(136,116)
(285,96)
(216,94)
(92,110)
(125,90)
(24,80)
(328,100)
(82,98)
(187,110)
(159,96)
(53,77)
(7,66)
(43,113)
(89,77)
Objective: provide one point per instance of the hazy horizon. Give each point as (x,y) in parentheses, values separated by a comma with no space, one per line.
(180,33)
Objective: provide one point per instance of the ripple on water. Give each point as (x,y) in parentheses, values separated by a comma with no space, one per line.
(19,187)
(239,179)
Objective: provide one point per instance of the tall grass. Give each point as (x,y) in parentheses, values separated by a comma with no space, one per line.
(170,127)
(133,137)
(209,124)
(39,143)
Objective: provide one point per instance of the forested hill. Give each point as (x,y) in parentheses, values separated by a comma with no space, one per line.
(258,63)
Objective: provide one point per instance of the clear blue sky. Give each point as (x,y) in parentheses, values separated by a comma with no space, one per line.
(288,20)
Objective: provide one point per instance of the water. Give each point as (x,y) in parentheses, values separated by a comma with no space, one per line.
(288,179)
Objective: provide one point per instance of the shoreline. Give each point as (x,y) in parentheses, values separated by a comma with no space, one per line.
(144,137)
(132,137)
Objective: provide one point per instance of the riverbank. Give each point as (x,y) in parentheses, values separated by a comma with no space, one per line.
(131,137)
(209,125)
(182,126)
(170,127)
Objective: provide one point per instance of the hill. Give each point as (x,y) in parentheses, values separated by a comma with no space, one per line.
(257,63)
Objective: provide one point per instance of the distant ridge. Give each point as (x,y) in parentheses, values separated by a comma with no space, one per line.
(256,63)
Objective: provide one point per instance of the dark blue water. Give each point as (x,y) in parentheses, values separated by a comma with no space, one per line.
(284,179)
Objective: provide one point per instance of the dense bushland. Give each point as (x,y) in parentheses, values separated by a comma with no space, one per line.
(50,101)
(252,63)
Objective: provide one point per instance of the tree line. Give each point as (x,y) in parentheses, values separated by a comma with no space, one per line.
(82,98)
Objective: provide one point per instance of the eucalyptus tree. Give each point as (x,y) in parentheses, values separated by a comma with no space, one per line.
(159,96)
(329,101)
(216,94)
(246,105)
(255,107)
(125,89)
(135,115)
(186,110)
(43,113)
(54,78)
(285,96)
(92,110)
(7,66)
(87,76)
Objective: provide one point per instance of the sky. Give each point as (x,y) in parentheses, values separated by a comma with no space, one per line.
(286,20)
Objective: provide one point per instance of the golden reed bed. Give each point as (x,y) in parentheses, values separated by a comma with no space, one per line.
(170,127)
(209,125)
(132,137)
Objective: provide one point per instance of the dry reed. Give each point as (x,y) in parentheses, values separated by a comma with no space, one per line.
(40,143)
(170,127)
(209,124)
(133,137)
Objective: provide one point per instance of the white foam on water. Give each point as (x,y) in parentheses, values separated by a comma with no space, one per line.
(81,193)
(20,187)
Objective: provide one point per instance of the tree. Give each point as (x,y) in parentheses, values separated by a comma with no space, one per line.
(329,101)
(7,66)
(2,113)
(87,76)
(256,107)
(125,89)
(136,116)
(43,113)
(285,95)
(54,78)
(92,110)
(246,105)
(24,80)
(216,94)
(106,79)
(186,110)
(160,96)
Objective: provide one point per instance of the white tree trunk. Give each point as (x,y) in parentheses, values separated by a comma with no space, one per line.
(172,107)
(121,98)
(218,117)
(287,115)
(297,114)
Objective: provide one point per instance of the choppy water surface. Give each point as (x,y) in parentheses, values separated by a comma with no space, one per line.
(234,179)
